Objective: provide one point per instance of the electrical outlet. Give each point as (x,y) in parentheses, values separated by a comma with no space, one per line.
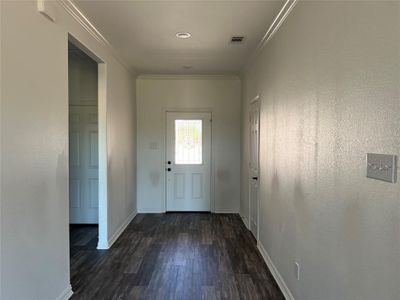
(297,270)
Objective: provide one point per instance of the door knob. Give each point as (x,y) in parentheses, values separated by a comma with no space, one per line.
(169,169)
(169,162)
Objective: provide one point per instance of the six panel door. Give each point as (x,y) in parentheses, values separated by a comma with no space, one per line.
(83,164)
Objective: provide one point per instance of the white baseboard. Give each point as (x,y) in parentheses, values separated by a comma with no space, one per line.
(279,280)
(120,230)
(150,211)
(246,222)
(102,245)
(107,245)
(65,294)
(154,211)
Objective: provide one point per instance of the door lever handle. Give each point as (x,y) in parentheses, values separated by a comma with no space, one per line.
(255,178)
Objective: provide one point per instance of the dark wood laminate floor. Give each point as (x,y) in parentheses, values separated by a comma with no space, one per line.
(172,256)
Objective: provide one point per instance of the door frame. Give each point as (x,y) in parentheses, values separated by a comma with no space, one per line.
(255,101)
(102,140)
(164,151)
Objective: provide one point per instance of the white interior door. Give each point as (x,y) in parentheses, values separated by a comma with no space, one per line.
(188,161)
(254,166)
(83,164)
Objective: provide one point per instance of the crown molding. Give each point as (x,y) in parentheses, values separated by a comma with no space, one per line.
(183,76)
(78,15)
(276,24)
(73,10)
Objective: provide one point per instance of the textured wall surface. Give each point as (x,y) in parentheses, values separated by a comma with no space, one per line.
(222,97)
(121,147)
(329,82)
(34,252)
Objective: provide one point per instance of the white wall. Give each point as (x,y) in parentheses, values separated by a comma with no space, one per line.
(157,94)
(34,149)
(329,82)
(121,143)
(82,78)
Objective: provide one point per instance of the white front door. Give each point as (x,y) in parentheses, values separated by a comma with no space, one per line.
(254,166)
(83,164)
(188,161)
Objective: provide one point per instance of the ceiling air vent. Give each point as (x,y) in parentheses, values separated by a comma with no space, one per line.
(237,39)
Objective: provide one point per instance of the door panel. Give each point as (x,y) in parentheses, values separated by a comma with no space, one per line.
(179,185)
(188,149)
(74,148)
(94,192)
(93,149)
(83,165)
(75,193)
(254,167)
(197,184)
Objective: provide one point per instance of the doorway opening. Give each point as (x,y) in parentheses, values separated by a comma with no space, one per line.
(87,151)
(83,152)
(188,161)
(83,138)
(254,167)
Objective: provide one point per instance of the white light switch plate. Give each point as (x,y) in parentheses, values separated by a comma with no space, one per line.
(382,167)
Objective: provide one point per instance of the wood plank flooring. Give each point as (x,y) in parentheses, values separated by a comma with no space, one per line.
(172,256)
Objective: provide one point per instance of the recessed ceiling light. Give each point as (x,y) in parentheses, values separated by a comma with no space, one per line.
(183,35)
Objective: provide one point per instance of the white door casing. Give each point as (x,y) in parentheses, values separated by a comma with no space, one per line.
(83,164)
(188,161)
(254,167)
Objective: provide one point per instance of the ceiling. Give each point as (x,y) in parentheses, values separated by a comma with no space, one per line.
(143,32)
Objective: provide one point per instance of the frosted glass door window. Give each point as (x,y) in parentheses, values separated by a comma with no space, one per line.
(188,142)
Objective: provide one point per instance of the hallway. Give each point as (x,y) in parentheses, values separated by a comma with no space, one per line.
(202,149)
(172,256)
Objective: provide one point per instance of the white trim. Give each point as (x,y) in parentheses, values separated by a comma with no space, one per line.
(103,157)
(117,233)
(102,141)
(102,149)
(150,211)
(102,244)
(74,11)
(245,221)
(45,10)
(255,103)
(66,294)
(1,156)
(164,150)
(276,24)
(274,271)
(120,230)
(103,154)
(166,76)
